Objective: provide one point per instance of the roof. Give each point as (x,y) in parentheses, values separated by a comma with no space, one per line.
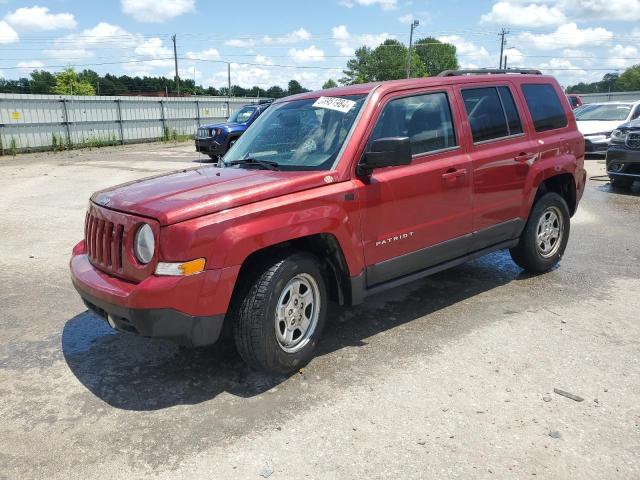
(365,88)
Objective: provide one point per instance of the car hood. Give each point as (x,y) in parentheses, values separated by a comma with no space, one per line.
(232,127)
(632,124)
(185,194)
(589,127)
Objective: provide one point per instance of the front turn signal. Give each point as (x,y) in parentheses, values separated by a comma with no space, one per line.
(181,269)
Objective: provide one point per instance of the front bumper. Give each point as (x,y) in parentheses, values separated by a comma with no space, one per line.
(596,146)
(623,161)
(189,310)
(210,146)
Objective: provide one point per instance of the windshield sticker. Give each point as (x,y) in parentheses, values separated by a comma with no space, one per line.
(333,103)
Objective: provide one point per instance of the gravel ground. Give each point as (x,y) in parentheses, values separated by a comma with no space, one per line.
(449,377)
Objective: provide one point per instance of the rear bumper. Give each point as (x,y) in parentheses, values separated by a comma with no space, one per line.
(189,310)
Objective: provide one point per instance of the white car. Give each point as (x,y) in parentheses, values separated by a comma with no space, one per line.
(596,121)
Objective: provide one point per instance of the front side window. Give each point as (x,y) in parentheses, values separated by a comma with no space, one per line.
(425,119)
(544,106)
(241,116)
(297,135)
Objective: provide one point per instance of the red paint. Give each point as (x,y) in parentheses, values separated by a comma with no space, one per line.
(224,215)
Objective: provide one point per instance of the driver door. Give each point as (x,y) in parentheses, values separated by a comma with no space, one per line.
(419,215)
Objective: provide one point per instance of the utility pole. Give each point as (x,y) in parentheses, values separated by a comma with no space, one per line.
(414,25)
(175,60)
(503,42)
(505,62)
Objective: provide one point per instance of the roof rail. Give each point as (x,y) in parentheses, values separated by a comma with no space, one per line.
(488,71)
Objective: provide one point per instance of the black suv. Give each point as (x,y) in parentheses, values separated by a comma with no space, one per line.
(623,155)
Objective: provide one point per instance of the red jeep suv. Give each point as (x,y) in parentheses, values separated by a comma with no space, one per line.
(335,195)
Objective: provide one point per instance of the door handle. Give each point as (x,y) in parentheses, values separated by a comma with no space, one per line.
(524,157)
(451,176)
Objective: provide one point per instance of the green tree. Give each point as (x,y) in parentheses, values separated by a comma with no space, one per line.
(68,83)
(275,92)
(387,61)
(41,82)
(329,84)
(436,56)
(295,87)
(629,80)
(358,68)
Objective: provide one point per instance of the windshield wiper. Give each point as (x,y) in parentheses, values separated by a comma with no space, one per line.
(266,164)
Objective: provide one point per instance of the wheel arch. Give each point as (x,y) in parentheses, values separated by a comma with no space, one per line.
(324,246)
(564,185)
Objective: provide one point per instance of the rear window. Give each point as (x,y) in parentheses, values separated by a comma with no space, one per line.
(545,107)
(492,113)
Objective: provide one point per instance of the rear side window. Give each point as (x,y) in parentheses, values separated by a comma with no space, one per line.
(425,119)
(492,113)
(510,111)
(545,107)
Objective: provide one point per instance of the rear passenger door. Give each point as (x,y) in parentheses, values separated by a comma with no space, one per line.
(501,153)
(418,215)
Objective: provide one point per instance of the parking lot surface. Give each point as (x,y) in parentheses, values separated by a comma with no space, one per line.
(452,376)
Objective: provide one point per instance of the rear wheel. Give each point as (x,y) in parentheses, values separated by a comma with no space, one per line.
(544,238)
(281,314)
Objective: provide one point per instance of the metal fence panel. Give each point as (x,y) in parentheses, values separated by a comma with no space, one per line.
(37,122)
(610,97)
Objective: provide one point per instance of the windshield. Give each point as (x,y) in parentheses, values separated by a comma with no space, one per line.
(242,115)
(297,135)
(603,113)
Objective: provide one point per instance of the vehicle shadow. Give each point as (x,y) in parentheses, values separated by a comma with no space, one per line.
(134,373)
(632,191)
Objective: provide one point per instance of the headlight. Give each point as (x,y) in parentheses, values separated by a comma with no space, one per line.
(619,135)
(144,244)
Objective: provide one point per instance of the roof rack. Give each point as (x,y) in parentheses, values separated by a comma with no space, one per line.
(487,71)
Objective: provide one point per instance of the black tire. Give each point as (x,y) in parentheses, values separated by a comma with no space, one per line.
(621,182)
(528,253)
(213,157)
(231,143)
(255,315)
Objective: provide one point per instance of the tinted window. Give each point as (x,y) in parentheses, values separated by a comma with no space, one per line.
(545,107)
(486,116)
(573,101)
(510,111)
(425,119)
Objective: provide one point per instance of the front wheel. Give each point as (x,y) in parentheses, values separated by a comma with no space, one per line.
(544,238)
(281,315)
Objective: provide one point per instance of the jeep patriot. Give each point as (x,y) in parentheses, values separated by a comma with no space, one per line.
(335,195)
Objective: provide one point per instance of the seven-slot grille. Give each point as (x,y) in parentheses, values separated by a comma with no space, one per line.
(104,242)
(202,133)
(633,140)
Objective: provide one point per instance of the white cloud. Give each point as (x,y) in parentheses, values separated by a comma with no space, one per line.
(621,10)
(27,67)
(385,4)
(347,43)
(408,18)
(7,34)
(153,47)
(39,18)
(296,36)
(209,54)
(156,11)
(567,36)
(531,15)
(310,54)
(470,54)
(623,56)
(515,58)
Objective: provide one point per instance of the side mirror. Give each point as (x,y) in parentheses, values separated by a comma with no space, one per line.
(385,152)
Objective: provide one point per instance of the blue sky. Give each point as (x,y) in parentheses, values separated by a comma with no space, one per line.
(269,43)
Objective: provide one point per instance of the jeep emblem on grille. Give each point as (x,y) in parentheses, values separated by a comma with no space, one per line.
(104,201)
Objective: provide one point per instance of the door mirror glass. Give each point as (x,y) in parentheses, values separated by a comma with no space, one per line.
(386,152)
